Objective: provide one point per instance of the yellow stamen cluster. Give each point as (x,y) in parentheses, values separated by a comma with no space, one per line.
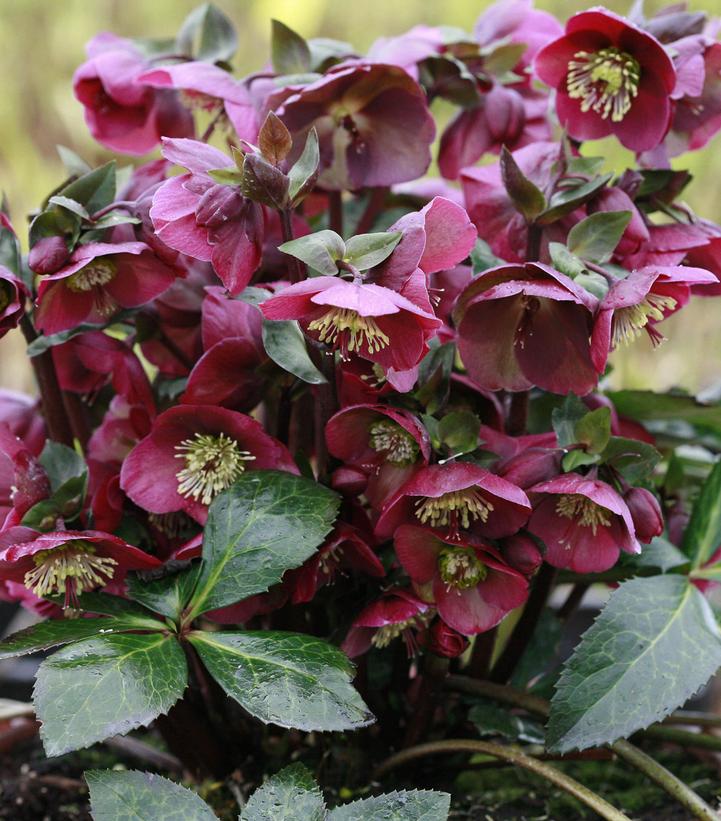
(74,562)
(386,634)
(454,508)
(629,322)
(584,511)
(351,331)
(94,275)
(605,81)
(171,525)
(460,568)
(212,463)
(390,439)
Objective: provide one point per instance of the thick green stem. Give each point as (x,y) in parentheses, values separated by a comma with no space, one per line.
(506,753)
(693,718)
(684,738)
(647,765)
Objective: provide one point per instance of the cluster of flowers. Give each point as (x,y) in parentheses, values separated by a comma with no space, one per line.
(181,315)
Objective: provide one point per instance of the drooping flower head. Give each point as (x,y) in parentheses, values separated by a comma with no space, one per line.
(12,299)
(610,78)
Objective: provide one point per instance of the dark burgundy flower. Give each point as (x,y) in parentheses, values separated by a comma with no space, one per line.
(30,482)
(48,255)
(122,113)
(639,302)
(372,121)
(525,325)
(521,553)
(445,641)
(645,512)
(458,498)
(68,562)
(610,78)
(12,300)
(101,278)
(583,522)
(197,451)
(368,320)
(397,614)
(206,220)
(472,587)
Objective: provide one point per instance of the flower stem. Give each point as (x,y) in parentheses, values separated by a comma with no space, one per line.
(335,212)
(435,669)
(375,204)
(208,133)
(533,243)
(684,738)
(297,269)
(511,754)
(517,414)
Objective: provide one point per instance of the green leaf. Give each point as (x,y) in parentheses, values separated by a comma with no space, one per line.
(115,218)
(167,595)
(289,795)
(483,258)
(659,553)
(263,182)
(595,283)
(594,430)
(459,431)
(207,34)
(289,51)
(321,250)
(633,459)
(70,205)
(595,238)
(94,190)
(568,199)
(44,343)
(524,194)
(63,465)
(107,605)
(647,406)
(653,646)
(106,686)
(304,172)
(288,679)
(54,632)
(9,250)
(703,533)
(366,250)
(74,164)
(232,175)
(137,796)
(564,261)
(404,805)
(434,376)
(566,417)
(493,720)
(264,524)
(285,344)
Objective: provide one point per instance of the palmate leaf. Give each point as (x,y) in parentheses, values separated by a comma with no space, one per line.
(167,595)
(653,646)
(264,524)
(288,679)
(405,805)
(137,796)
(106,686)
(288,795)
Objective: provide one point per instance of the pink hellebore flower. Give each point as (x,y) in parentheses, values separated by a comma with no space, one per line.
(368,320)
(407,49)
(68,562)
(637,303)
(122,113)
(397,614)
(525,325)
(472,587)
(209,88)
(373,124)
(205,220)
(99,279)
(197,451)
(12,300)
(459,499)
(583,522)
(610,78)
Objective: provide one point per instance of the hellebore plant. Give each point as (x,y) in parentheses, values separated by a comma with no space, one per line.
(300,403)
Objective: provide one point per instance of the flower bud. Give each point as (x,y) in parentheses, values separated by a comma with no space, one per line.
(445,641)
(48,255)
(531,466)
(522,553)
(645,512)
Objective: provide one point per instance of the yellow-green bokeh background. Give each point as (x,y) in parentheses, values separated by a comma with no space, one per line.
(42,42)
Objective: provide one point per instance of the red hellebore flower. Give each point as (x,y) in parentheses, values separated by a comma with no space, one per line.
(640,301)
(472,587)
(445,641)
(525,325)
(459,499)
(24,478)
(205,220)
(68,562)
(368,320)
(194,452)
(100,278)
(12,300)
(610,78)
(373,124)
(397,614)
(583,522)
(384,442)
(122,113)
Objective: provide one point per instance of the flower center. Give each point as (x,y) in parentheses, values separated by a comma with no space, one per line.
(71,568)
(346,329)
(386,634)
(460,568)
(212,463)
(605,81)
(95,275)
(395,443)
(454,509)
(583,510)
(173,525)
(629,322)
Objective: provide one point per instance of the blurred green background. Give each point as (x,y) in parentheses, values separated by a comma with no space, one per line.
(42,42)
